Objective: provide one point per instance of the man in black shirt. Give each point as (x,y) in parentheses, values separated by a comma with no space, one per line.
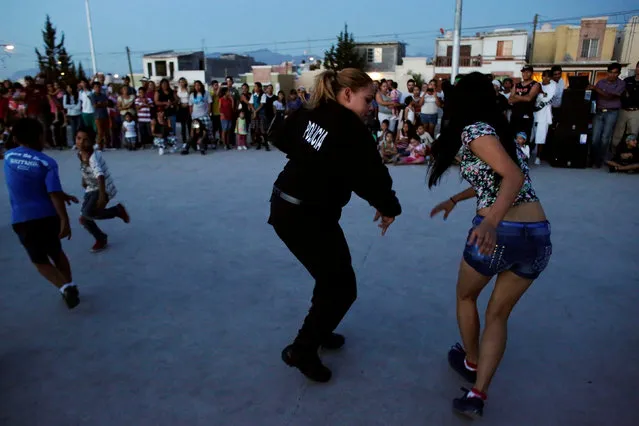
(308,197)
(628,121)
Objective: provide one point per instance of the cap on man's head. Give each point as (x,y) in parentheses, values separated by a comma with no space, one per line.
(631,138)
(522,135)
(527,68)
(496,83)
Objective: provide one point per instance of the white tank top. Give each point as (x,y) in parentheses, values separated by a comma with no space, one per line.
(183,95)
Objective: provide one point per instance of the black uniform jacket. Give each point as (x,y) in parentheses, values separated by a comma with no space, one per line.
(331,153)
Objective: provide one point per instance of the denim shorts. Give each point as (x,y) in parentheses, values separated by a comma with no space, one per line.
(523,248)
(428,118)
(227,125)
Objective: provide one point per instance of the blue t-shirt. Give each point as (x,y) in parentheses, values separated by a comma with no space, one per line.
(31,176)
(100,112)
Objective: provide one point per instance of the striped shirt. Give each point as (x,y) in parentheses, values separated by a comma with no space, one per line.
(144,110)
(93,170)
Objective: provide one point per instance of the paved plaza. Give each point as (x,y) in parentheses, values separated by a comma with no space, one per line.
(183,318)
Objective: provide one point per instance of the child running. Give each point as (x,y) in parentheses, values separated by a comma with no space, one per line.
(38,214)
(99,189)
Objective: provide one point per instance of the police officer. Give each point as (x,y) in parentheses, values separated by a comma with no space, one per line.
(308,197)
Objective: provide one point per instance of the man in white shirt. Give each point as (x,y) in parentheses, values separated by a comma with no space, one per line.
(409,91)
(87,106)
(559,90)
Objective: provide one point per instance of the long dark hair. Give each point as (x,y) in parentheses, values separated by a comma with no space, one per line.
(471,100)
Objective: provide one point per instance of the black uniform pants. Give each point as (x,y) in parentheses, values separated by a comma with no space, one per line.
(319,244)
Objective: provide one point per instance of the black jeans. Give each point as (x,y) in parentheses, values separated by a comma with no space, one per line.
(319,244)
(184,118)
(90,214)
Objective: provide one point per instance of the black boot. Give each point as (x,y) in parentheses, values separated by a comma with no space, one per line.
(307,361)
(333,342)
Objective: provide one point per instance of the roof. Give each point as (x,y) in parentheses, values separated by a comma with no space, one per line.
(496,33)
(378,43)
(171,54)
(579,64)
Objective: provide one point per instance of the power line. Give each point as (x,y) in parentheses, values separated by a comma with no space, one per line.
(402,35)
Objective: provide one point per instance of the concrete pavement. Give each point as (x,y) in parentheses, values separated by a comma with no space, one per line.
(183,319)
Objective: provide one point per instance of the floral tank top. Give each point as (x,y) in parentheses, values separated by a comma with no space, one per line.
(481,177)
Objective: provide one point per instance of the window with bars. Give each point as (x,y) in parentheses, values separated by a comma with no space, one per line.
(504,48)
(374,55)
(590,48)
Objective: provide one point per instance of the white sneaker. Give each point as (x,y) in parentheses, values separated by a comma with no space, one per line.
(161,151)
(239,148)
(537,161)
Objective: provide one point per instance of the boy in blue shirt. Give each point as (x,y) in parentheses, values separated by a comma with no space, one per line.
(38,211)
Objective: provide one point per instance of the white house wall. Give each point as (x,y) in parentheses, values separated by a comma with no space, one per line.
(520,46)
(476,46)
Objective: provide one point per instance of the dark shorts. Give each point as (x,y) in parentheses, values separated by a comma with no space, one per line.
(227,125)
(428,118)
(40,237)
(522,248)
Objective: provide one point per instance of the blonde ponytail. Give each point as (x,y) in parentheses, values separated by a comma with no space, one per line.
(329,83)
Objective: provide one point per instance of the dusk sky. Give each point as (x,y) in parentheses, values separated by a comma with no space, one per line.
(286,26)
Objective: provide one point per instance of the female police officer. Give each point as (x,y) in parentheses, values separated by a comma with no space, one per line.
(308,197)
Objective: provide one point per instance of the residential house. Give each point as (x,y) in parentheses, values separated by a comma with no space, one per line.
(174,65)
(382,57)
(190,65)
(585,50)
(501,52)
(282,76)
(628,46)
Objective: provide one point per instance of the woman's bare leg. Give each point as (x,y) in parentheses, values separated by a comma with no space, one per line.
(470,283)
(509,288)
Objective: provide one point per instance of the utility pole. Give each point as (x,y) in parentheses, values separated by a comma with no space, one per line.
(95,67)
(456,40)
(128,56)
(531,54)
(204,54)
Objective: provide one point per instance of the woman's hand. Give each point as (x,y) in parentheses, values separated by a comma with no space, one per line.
(384,223)
(484,236)
(445,206)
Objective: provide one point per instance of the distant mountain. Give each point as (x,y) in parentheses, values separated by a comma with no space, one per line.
(23,73)
(269,57)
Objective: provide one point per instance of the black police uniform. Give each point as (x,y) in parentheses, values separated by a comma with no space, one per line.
(306,206)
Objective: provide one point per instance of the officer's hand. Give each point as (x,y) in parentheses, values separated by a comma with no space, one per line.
(384,223)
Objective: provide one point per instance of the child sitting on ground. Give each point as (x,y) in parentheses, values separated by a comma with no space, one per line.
(381,134)
(404,136)
(416,154)
(425,139)
(521,144)
(627,156)
(387,149)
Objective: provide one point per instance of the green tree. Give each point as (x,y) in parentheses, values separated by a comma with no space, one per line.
(54,62)
(345,54)
(81,74)
(419,79)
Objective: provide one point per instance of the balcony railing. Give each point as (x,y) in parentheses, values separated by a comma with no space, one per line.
(464,61)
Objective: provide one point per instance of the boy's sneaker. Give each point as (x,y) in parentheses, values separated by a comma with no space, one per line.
(99,246)
(161,151)
(456,357)
(71,296)
(470,407)
(123,214)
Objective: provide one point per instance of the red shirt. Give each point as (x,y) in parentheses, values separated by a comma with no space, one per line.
(34,98)
(226,108)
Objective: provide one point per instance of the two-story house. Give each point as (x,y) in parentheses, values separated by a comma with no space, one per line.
(586,49)
(382,57)
(501,52)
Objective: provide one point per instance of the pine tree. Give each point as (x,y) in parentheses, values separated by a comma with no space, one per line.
(55,63)
(81,74)
(345,55)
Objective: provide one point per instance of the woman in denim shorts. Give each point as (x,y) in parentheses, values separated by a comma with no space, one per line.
(509,236)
